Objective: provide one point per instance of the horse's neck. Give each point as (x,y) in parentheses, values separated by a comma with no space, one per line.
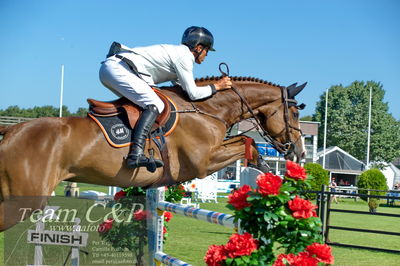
(228,105)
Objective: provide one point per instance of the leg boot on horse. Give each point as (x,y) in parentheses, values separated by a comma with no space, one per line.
(136,157)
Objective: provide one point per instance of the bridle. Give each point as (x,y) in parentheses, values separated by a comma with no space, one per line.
(284,148)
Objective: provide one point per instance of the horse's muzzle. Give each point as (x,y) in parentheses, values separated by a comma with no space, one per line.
(293,156)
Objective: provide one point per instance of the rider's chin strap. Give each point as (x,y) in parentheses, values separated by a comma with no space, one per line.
(198,53)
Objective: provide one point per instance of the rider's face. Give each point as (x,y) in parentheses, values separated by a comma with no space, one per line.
(201,53)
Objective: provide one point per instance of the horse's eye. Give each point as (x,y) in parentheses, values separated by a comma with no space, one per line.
(296,115)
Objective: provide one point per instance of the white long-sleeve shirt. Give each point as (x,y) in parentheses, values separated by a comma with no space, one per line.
(165,62)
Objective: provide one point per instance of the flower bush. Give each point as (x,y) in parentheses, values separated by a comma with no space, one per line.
(174,193)
(238,245)
(127,231)
(275,219)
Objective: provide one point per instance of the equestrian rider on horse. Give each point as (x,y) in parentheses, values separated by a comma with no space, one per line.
(130,72)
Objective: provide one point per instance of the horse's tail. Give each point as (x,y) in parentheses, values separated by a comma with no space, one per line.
(3,131)
(3,128)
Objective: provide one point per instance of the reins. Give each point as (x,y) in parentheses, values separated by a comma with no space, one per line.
(198,111)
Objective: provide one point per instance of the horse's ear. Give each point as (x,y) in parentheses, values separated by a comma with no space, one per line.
(293,90)
(290,87)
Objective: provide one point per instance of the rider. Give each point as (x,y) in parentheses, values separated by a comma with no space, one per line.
(130,72)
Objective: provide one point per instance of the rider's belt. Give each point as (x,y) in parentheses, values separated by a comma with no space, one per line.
(131,65)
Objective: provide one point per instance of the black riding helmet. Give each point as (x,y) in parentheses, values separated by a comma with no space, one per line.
(198,35)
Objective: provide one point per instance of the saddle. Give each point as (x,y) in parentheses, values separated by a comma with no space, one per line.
(133,111)
(117,120)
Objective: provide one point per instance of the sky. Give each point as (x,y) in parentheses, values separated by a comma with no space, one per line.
(323,43)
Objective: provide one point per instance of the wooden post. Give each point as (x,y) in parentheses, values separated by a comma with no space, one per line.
(38,257)
(322,211)
(327,220)
(75,250)
(155,222)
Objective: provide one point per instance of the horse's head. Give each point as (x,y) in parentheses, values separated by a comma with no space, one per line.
(281,120)
(272,105)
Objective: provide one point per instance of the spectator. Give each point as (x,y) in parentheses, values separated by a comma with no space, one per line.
(333,187)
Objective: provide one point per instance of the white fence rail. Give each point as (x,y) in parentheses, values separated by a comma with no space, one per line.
(11,120)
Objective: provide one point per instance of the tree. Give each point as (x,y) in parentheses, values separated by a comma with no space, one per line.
(319,177)
(372,179)
(41,111)
(13,110)
(306,118)
(348,121)
(82,112)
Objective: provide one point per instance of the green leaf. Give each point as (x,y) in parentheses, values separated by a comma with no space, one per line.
(283,223)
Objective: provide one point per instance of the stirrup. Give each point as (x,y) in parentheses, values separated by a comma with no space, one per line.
(134,161)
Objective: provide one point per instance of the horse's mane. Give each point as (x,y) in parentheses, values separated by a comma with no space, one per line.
(236,79)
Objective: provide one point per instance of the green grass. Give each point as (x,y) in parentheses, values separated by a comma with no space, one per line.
(189,239)
(347,256)
(1,248)
(82,187)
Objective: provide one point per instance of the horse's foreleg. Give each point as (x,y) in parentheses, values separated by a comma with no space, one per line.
(230,151)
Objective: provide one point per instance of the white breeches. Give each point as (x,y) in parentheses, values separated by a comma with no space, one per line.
(116,76)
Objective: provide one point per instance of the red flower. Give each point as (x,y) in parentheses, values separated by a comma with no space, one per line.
(105,226)
(302,208)
(215,255)
(302,259)
(140,215)
(269,184)
(238,197)
(322,252)
(168,216)
(119,194)
(240,245)
(295,171)
(164,230)
(283,259)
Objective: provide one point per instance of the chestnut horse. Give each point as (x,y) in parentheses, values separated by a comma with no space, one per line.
(35,156)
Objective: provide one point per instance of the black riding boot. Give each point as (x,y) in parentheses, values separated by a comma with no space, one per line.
(136,157)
